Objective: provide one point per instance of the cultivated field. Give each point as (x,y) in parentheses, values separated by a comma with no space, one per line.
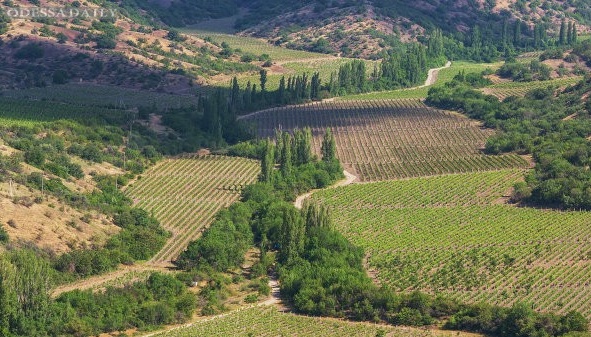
(255,46)
(185,194)
(28,113)
(267,321)
(390,139)
(506,89)
(456,235)
(88,94)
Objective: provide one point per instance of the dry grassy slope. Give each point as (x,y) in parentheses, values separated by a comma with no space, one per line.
(51,224)
(137,48)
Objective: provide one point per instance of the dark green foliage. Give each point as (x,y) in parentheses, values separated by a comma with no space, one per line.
(562,39)
(24,301)
(223,244)
(521,72)
(30,51)
(3,235)
(60,76)
(4,21)
(253,149)
(267,162)
(328,147)
(181,13)
(141,236)
(555,53)
(519,320)
(175,35)
(83,263)
(475,80)
(105,42)
(263,79)
(160,300)
(534,124)
(35,156)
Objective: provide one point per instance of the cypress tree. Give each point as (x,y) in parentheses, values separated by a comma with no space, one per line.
(505,32)
(253,94)
(517,33)
(267,162)
(569,34)
(574,34)
(286,162)
(315,86)
(263,74)
(562,33)
(302,146)
(328,147)
(281,90)
(235,97)
(247,95)
(279,145)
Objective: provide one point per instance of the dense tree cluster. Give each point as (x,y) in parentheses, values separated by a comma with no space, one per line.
(536,125)
(520,72)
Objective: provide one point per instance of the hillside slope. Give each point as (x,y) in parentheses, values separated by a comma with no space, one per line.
(365,28)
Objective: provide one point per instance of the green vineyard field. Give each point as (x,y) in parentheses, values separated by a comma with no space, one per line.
(16,112)
(87,94)
(506,89)
(456,235)
(391,139)
(267,321)
(255,46)
(185,194)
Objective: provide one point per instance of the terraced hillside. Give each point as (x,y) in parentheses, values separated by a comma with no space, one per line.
(456,235)
(185,194)
(390,139)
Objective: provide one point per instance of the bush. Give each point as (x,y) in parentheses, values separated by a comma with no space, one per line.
(60,76)
(31,51)
(3,235)
(105,42)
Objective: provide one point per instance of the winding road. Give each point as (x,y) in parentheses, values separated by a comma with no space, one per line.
(432,76)
(349,179)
